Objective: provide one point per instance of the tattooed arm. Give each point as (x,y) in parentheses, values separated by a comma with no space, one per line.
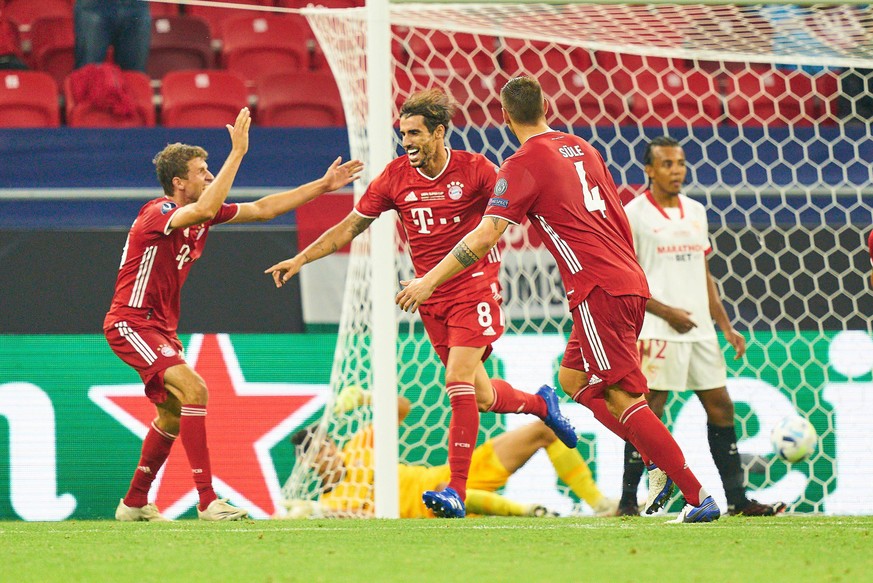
(330,242)
(471,248)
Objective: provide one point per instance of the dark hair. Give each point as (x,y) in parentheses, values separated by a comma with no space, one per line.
(303,438)
(658,142)
(172,162)
(433,105)
(522,98)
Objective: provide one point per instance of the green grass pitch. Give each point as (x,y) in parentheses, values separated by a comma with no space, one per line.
(785,548)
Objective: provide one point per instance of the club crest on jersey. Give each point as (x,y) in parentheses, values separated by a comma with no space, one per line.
(167,207)
(166,350)
(456,190)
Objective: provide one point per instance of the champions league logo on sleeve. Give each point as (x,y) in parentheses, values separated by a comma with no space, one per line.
(499,191)
(167,207)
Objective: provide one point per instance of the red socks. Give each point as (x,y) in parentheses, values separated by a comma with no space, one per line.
(597,405)
(463,431)
(155,450)
(645,428)
(193,432)
(510,400)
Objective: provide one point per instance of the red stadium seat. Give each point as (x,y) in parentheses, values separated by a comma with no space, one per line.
(178,43)
(305,98)
(159,9)
(255,46)
(447,54)
(478,97)
(577,91)
(664,91)
(25,12)
(215,15)
(28,99)
(10,37)
(138,86)
(53,47)
(202,98)
(775,96)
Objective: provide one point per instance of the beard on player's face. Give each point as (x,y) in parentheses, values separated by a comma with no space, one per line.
(420,154)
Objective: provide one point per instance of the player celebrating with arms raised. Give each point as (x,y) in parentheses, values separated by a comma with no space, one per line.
(166,238)
(439,195)
(561,183)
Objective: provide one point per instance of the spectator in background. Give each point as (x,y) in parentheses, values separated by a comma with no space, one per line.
(125,25)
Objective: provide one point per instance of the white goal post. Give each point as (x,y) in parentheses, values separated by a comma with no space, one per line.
(765,101)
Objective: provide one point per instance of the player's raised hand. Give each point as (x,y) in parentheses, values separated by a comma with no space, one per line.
(414,293)
(338,175)
(285,270)
(239,131)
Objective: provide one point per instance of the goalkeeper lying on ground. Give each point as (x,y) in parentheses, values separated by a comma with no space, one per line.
(347,475)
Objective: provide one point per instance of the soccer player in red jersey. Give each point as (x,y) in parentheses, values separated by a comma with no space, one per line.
(439,195)
(562,185)
(166,238)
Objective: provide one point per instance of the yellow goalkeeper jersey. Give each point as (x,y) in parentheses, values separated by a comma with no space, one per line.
(354,494)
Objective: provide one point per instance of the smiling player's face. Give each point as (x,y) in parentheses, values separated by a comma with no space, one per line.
(425,149)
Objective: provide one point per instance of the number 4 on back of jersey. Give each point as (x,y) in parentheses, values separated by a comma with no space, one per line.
(593,201)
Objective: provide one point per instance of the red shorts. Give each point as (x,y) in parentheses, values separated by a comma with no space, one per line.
(472,322)
(149,351)
(603,342)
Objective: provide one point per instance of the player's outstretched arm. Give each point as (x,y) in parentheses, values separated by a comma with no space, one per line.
(471,248)
(274,205)
(330,241)
(213,196)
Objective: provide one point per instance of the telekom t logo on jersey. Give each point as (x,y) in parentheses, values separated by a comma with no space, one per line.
(422,218)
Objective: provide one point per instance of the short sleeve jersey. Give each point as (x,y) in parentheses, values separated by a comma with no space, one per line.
(155,263)
(436,213)
(672,245)
(561,183)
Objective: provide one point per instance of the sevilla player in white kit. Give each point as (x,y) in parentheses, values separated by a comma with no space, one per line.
(679,349)
(439,195)
(562,185)
(166,238)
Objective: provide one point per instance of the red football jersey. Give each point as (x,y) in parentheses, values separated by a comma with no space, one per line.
(870,245)
(562,184)
(155,264)
(437,213)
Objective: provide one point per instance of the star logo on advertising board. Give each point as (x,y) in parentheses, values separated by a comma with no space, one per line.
(245,421)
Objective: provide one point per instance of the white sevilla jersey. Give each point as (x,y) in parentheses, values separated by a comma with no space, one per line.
(671,245)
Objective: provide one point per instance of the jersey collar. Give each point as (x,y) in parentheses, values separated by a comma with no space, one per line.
(440,173)
(661,210)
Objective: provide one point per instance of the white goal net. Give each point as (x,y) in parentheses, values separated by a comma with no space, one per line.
(772,104)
